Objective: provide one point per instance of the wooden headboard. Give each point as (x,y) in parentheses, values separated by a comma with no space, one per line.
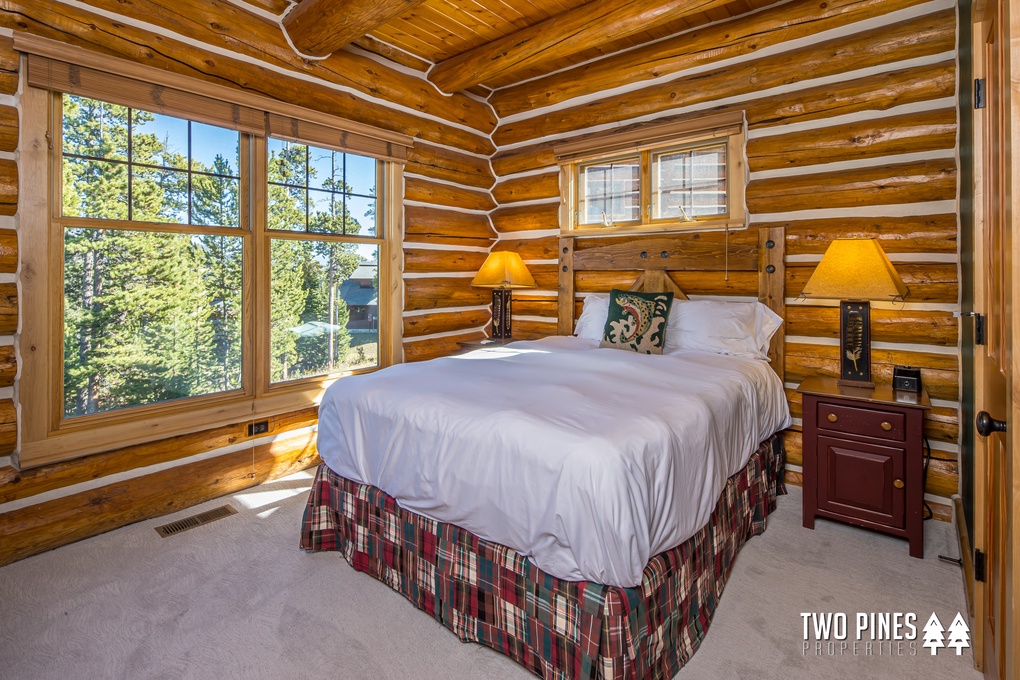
(745,263)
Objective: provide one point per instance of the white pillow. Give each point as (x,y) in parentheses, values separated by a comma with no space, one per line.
(720,326)
(592,322)
(741,329)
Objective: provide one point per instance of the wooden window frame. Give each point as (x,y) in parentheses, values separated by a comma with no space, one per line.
(45,435)
(646,142)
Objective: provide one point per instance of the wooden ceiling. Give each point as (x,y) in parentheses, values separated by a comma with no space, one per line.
(492,43)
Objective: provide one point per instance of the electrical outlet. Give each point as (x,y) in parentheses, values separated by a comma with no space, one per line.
(261,427)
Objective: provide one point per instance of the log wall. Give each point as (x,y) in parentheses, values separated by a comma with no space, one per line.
(447,228)
(851,132)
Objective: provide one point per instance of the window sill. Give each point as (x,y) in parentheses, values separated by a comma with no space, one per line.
(653,229)
(62,445)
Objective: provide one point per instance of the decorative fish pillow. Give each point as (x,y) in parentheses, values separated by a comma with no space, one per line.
(637,321)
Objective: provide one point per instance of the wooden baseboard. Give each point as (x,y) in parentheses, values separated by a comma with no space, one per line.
(51,524)
(18,484)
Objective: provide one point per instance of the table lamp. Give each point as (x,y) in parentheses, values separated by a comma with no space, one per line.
(855,271)
(503,271)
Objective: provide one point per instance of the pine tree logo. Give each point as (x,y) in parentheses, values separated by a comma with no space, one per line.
(933,634)
(959,634)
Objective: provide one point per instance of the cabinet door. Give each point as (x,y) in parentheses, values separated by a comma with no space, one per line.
(858,480)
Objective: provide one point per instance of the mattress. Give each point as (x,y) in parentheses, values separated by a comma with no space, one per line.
(588,461)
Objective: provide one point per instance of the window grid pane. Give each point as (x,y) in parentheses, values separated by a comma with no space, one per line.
(690,183)
(143,161)
(149,317)
(610,192)
(324,308)
(337,190)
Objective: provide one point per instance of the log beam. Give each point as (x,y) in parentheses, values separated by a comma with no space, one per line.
(8,308)
(737,37)
(431,348)
(923,36)
(320,27)
(878,92)
(361,74)
(8,251)
(566,33)
(445,322)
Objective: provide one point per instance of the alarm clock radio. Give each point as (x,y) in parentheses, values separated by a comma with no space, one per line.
(906,378)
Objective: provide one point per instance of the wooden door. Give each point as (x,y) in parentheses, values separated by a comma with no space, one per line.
(997,126)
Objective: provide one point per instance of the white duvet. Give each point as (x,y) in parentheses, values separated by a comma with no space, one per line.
(589,461)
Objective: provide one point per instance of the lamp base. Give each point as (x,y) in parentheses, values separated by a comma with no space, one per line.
(855,344)
(501,299)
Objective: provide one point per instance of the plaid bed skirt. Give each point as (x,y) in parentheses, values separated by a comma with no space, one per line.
(485,592)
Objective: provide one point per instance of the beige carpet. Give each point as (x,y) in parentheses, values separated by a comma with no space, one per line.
(238,599)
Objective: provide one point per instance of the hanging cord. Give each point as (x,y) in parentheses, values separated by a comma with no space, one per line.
(251,427)
(928,514)
(726,274)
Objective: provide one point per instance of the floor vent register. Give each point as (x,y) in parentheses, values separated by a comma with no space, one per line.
(198,520)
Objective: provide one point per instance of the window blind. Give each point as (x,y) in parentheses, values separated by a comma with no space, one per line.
(60,76)
(306,132)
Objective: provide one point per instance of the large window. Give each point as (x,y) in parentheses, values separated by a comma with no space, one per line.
(663,178)
(205,263)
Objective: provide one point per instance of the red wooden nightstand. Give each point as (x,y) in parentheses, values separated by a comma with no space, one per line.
(864,457)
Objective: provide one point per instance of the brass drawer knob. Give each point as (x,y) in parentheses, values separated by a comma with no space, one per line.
(832,418)
(898,483)
(886,425)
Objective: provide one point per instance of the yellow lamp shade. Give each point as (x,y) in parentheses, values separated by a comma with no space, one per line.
(855,269)
(504,269)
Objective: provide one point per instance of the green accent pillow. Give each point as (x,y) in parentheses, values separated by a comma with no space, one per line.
(637,321)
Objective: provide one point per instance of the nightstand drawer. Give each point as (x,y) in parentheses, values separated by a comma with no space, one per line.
(861,421)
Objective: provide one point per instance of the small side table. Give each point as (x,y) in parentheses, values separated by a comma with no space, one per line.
(864,457)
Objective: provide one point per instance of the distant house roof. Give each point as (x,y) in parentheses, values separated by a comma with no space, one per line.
(314,329)
(352,292)
(365,271)
(357,291)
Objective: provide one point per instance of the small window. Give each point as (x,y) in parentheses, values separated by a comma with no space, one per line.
(687,175)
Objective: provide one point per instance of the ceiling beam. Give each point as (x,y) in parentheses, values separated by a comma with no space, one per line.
(317,28)
(569,32)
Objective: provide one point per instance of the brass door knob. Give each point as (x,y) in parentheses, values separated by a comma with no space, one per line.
(886,426)
(898,483)
(832,418)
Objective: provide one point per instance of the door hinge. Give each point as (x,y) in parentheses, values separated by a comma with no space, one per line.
(979,93)
(979,566)
(979,325)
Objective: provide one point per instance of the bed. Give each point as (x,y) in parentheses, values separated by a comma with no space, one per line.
(625,504)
